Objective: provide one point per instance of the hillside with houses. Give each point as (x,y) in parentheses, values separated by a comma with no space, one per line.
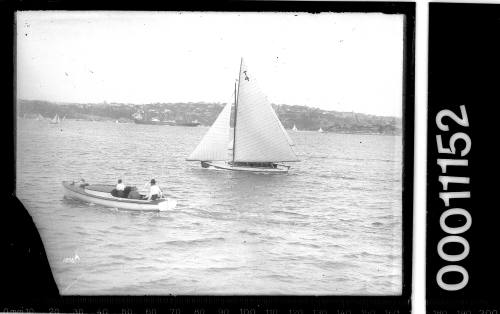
(302,117)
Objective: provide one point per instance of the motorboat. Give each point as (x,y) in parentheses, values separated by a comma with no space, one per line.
(101,194)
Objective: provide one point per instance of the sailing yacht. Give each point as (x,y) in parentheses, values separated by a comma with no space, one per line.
(260,143)
(320,130)
(294,128)
(56,119)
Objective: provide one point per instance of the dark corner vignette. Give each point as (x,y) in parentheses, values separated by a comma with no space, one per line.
(462,219)
(24,268)
(26,275)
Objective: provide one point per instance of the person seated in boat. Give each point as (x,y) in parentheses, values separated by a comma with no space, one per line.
(120,186)
(120,189)
(154,191)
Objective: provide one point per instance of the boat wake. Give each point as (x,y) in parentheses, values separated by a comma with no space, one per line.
(170,204)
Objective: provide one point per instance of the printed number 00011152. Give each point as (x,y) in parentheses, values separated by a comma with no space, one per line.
(446,195)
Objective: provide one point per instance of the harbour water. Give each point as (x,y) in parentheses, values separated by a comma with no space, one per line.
(331,226)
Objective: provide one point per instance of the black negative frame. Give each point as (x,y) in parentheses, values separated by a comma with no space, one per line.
(464,67)
(29,282)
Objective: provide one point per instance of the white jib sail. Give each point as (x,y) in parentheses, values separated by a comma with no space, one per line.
(213,146)
(259,135)
(288,138)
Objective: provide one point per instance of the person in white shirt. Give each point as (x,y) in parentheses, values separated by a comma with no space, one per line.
(120,186)
(154,191)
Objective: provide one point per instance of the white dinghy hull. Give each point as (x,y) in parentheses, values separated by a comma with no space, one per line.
(101,195)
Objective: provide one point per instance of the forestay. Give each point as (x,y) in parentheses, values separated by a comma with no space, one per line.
(213,146)
(259,135)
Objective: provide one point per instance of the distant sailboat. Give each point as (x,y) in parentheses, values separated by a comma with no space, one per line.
(259,141)
(55,120)
(39,117)
(294,128)
(320,130)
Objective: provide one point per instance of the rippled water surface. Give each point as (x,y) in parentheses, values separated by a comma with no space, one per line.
(331,226)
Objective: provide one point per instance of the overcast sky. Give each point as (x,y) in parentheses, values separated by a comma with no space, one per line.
(333,61)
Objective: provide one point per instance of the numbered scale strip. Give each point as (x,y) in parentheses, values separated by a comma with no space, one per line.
(217,305)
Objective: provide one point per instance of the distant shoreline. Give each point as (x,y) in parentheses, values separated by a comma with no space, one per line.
(302,117)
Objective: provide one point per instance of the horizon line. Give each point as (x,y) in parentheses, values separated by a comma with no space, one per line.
(199,102)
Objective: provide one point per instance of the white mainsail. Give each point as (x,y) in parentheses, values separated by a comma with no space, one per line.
(259,135)
(213,146)
(288,138)
(55,119)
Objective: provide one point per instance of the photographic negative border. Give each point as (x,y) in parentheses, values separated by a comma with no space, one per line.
(461,218)
(48,300)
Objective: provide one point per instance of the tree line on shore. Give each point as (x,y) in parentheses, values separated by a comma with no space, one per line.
(302,117)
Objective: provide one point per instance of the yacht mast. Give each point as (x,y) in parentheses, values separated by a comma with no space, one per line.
(236,96)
